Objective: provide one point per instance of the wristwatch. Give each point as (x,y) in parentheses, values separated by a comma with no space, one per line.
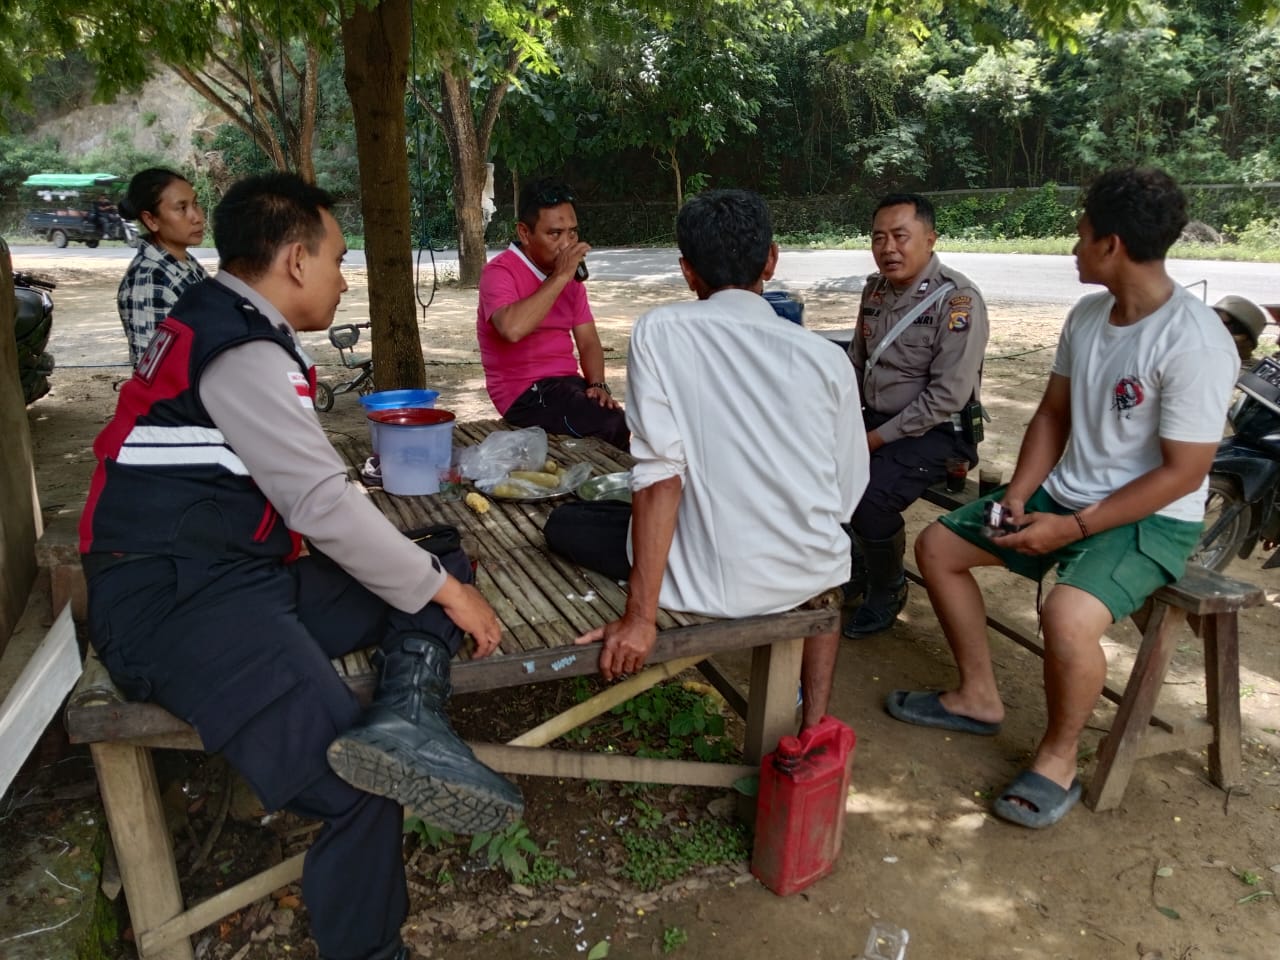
(600,385)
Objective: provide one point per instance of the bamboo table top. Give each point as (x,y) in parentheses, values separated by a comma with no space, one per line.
(543,601)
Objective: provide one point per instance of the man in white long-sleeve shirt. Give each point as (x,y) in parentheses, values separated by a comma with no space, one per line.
(210,473)
(750,453)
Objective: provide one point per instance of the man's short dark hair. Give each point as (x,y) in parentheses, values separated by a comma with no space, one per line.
(261,214)
(1142,206)
(924,209)
(725,236)
(542,194)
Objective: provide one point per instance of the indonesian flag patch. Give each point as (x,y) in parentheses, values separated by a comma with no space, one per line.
(302,388)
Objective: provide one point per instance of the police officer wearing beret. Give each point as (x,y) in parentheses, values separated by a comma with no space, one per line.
(921,334)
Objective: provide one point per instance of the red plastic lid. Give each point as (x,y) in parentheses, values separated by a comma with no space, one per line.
(411,416)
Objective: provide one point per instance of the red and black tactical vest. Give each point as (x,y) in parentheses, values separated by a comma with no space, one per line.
(167,482)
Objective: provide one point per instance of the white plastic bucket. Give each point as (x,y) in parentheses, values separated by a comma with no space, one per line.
(414,445)
(393,400)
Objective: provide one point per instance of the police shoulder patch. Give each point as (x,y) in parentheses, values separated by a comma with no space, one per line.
(961,301)
(160,344)
(959,321)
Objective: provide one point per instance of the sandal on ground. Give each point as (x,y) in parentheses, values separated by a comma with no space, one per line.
(1043,804)
(925,709)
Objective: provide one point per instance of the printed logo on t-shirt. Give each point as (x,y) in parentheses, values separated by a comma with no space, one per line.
(1125,396)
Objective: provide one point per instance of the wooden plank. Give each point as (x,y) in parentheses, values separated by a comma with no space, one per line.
(1205,591)
(771,711)
(732,694)
(708,638)
(1222,686)
(135,815)
(1119,749)
(37,693)
(602,702)
(543,762)
(151,942)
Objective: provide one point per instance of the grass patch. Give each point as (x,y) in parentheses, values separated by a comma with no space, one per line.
(670,721)
(660,853)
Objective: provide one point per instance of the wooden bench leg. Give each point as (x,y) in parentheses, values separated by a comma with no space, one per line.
(771,704)
(1119,749)
(1222,684)
(135,816)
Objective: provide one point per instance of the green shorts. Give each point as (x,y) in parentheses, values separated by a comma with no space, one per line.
(1121,566)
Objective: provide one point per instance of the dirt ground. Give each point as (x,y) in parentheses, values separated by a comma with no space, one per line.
(1180,870)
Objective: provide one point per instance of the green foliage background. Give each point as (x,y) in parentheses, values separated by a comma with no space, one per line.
(809,102)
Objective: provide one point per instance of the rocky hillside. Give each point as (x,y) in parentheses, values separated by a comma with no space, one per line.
(162,118)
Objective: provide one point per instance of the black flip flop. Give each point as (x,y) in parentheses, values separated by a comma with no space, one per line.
(1043,804)
(925,709)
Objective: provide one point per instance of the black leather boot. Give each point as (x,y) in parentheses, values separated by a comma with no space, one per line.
(886,586)
(856,588)
(404,748)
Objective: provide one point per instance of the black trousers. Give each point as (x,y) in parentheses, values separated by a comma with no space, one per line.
(592,535)
(240,649)
(900,472)
(560,405)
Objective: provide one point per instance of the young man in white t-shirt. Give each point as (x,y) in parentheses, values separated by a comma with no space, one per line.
(1109,484)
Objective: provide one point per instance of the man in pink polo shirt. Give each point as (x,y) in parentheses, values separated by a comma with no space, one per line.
(533,311)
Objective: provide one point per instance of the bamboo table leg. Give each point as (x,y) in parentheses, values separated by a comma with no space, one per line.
(135,816)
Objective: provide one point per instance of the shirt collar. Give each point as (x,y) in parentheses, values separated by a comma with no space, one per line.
(515,248)
(258,301)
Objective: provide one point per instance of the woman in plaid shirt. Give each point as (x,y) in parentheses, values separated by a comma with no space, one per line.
(166,207)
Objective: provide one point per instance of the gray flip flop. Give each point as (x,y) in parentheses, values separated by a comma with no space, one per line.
(925,709)
(1044,803)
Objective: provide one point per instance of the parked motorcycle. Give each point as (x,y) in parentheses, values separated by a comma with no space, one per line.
(33,322)
(1243,506)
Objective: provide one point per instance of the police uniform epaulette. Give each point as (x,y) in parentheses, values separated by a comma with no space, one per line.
(959,279)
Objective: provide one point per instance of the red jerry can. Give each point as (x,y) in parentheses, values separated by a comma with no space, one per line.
(800,809)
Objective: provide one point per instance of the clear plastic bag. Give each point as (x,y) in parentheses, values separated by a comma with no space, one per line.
(503,451)
(507,487)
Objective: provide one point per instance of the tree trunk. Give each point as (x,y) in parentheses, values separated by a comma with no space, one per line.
(376,44)
(468,156)
(675,169)
(308,97)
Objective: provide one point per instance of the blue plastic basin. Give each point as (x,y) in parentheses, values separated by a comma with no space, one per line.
(395,399)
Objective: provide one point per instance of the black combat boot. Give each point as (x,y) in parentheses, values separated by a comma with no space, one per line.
(886,586)
(404,748)
(856,587)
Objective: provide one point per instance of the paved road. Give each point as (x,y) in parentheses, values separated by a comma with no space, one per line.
(1012,278)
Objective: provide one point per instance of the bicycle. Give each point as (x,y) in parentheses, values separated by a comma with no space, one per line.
(344,337)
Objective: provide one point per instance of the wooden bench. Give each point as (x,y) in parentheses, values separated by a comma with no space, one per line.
(1210,603)
(543,603)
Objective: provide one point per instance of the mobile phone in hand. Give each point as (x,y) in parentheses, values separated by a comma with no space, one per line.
(581,273)
(997,520)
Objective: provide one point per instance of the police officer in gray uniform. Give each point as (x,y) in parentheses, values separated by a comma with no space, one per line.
(921,334)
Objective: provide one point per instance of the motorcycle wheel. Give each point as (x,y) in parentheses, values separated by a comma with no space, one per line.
(59,238)
(1224,500)
(324,397)
(91,243)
